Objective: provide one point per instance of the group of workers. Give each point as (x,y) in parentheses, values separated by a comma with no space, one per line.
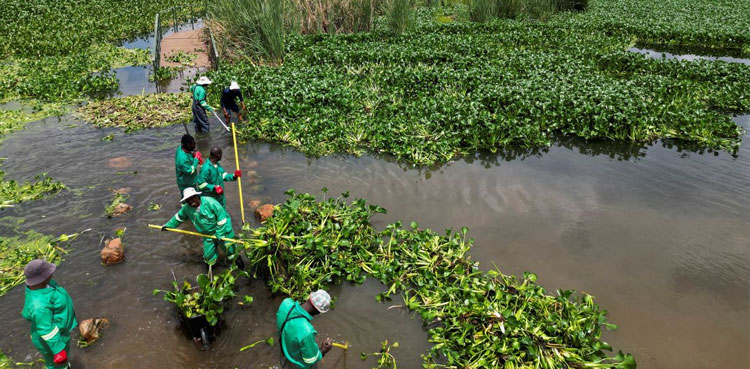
(49,307)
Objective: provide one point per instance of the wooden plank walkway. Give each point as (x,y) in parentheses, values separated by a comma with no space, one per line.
(191,41)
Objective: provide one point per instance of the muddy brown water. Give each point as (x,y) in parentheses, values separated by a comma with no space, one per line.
(659,236)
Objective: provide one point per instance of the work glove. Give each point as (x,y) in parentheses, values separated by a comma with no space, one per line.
(237,173)
(61,357)
(164,228)
(198,156)
(218,190)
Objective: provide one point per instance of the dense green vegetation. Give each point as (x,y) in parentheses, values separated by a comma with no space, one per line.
(715,24)
(51,48)
(475,318)
(445,89)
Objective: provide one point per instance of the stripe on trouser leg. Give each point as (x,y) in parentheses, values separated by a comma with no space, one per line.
(51,334)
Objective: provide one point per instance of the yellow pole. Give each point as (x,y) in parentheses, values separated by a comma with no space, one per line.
(197,234)
(239,180)
(344,346)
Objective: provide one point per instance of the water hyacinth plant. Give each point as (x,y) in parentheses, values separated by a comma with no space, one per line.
(475,318)
(205,299)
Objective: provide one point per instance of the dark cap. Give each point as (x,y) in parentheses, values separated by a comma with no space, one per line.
(37,271)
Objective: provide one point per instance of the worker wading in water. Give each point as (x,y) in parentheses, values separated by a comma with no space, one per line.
(229,101)
(210,218)
(49,308)
(296,332)
(186,162)
(212,177)
(200,105)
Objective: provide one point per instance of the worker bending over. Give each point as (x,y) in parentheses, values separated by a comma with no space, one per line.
(209,218)
(212,177)
(49,308)
(296,332)
(186,162)
(229,101)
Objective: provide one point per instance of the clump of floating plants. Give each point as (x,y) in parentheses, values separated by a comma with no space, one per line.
(138,112)
(13,192)
(17,251)
(207,298)
(476,318)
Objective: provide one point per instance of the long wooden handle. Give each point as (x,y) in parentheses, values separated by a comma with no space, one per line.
(239,180)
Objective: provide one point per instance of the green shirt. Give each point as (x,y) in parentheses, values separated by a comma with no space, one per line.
(50,311)
(199,95)
(298,339)
(212,175)
(209,218)
(186,169)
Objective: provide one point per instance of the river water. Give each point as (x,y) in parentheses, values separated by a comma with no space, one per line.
(659,235)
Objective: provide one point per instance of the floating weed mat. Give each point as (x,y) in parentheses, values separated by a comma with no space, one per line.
(138,111)
(15,120)
(476,319)
(13,192)
(449,89)
(16,252)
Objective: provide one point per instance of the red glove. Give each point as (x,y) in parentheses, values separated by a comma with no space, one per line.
(198,156)
(61,357)
(237,173)
(218,190)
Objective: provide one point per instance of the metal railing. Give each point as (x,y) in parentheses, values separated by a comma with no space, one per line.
(173,17)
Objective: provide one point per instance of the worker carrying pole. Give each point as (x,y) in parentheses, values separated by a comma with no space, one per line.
(296,332)
(212,177)
(208,217)
(49,308)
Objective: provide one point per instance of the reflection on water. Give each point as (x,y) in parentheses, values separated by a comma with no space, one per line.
(686,55)
(660,237)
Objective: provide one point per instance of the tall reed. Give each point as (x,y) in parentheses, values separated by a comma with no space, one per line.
(483,10)
(400,15)
(253,28)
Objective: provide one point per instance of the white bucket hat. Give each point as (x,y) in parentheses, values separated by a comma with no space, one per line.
(234,86)
(188,193)
(321,300)
(203,81)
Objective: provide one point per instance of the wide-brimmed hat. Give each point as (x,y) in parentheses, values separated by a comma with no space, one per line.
(203,81)
(234,86)
(321,301)
(37,271)
(188,193)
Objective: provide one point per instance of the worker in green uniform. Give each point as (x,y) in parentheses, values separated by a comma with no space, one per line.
(49,308)
(212,177)
(186,162)
(200,105)
(296,332)
(210,218)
